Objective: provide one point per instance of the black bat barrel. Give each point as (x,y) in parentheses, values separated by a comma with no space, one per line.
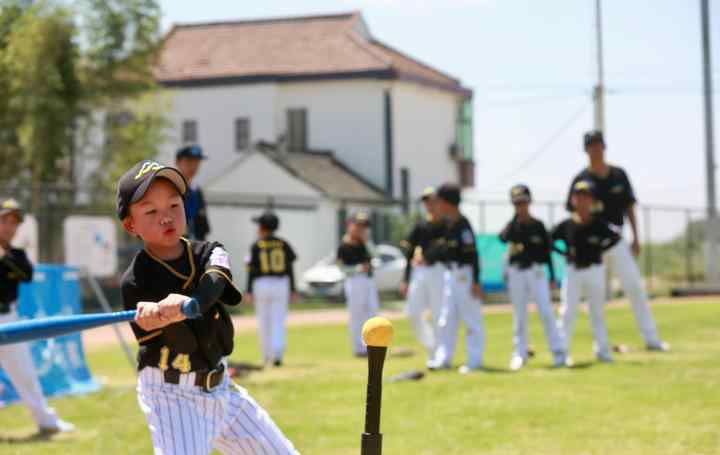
(372,438)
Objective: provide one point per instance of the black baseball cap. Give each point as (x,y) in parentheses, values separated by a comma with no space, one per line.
(360,218)
(449,192)
(593,137)
(190,151)
(10,205)
(520,193)
(427,193)
(267,220)
(133,185)
(584,186)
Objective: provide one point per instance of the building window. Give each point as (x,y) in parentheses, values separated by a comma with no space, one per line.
(189,132)
(297,130)
(465,130)
(242,134)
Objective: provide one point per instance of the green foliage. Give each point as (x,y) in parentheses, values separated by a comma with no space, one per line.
(62,63)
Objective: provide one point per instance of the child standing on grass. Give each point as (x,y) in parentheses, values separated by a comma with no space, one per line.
(529,251)
(361,293)
(184,390)
(271,284)
(16,359)
(587,238)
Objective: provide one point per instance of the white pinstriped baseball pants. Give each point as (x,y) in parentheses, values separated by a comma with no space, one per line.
(184,420)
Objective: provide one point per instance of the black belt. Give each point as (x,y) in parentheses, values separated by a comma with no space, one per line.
(585,265)
(207,380)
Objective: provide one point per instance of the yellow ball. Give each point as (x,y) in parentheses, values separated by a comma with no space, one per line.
(377,332)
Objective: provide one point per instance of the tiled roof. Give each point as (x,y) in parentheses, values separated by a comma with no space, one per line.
(327,174)
(313,47)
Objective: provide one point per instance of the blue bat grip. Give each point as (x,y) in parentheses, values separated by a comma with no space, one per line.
(191,308)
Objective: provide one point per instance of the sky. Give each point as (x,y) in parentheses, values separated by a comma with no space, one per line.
(531,65)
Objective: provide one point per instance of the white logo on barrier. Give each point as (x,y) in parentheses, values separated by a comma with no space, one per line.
(91,243)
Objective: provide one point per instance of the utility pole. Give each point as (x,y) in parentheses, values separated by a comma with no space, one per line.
(711,235)
(599,90)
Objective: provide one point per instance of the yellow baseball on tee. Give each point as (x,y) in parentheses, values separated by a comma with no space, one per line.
(377,332)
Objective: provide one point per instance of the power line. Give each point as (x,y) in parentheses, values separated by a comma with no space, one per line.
(544,148)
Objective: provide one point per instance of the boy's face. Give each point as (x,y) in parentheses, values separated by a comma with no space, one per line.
(596,150)
(159,217)
(522,208)
(8,227)
(357,230)
(431,207)
(188,167)
(582,202)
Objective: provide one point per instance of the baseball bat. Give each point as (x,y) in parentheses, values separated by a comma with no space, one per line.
(37,329)
(377,334)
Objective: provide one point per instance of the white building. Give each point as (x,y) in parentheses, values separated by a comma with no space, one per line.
(303,85)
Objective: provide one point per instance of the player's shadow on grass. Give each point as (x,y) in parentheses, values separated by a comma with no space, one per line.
(25,439)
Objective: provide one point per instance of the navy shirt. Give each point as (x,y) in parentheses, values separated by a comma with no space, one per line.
(460,246)
(427,239)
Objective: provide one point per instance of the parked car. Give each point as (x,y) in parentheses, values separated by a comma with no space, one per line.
(325,279)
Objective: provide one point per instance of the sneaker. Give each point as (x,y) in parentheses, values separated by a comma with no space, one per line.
(516,363)
(658,347)
(605,358)
(569,362)
(278,363)
(435,366)
(60,427)
(464,369)
(560,359)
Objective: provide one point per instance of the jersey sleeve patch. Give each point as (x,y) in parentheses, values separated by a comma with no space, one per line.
(467,237)
(219,258)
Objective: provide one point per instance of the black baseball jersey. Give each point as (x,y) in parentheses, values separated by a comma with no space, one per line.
(271,256)
(586,242)
(193,344)
(613,194)
(528,243)
(354,254)
(15,267)
(460,246)
(426,238)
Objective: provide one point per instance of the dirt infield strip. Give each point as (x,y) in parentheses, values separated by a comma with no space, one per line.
(103,336)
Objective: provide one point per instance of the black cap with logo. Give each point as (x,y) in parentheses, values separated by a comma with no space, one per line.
(267,220)
(593,137)
(10,205)
(360,218)
(133,185)
(190,151)
(520,193)
(584,186)
(449,192)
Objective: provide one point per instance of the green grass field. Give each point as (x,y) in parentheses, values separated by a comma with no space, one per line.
(643,404)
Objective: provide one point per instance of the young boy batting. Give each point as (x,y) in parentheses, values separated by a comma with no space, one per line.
(361,293)
(586,238)
(190,403)
(16,359)
(271,284)
(529,251)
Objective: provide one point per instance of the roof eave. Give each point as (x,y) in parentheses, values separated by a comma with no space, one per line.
(213,81)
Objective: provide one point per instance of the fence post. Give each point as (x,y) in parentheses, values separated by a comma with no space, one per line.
(648,249)
(688,247)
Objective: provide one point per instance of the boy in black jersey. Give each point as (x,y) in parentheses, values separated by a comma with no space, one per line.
(271,283)
(361,293)
(462,295)
(16,359)
(587,238)
(183,387)
(529,251)
(424,273)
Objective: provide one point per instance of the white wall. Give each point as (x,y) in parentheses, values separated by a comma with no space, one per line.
(343,116)
(215,110)
(424,126)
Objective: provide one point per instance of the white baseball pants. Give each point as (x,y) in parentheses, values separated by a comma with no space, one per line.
(363,303)
(590,282)
(621,261)
(16,361)
(460,305)
(524,284)
(272,295)
(185,420)
(425,292)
